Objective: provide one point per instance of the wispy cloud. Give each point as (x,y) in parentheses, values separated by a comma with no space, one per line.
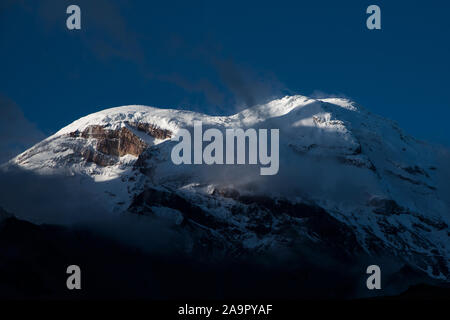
(232,84)
(247,88)
(319,94)
(223,85)
(16,132)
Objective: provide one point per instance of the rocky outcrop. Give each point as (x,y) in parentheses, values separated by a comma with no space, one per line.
(226,193)
(256,217)
(91,155)
(151,130)
(118,142)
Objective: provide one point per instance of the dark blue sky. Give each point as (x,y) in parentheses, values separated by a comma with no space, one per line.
(219,57)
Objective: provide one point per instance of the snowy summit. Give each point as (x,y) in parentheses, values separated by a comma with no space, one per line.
(347,178)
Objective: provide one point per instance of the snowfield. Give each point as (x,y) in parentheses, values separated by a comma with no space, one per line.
(359,172)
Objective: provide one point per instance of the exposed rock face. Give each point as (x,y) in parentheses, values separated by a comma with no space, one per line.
(252,217)
(91,155)
(151,130)
(117,143)
(226,193)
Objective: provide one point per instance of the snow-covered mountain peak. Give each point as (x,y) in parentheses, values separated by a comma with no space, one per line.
(361,169)
(115,118)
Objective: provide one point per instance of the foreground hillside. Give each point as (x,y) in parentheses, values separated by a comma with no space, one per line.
(34,259)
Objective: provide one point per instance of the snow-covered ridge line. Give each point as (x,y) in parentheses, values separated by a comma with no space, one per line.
(360,168)
(173,118)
